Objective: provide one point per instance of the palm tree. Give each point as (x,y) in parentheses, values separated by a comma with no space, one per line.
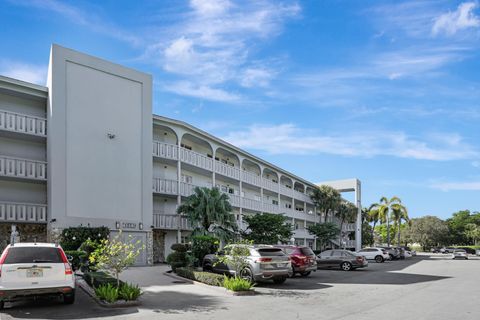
(210,213)
(399,213)
(384,208)
(346,211)
(373,215)
(326,198)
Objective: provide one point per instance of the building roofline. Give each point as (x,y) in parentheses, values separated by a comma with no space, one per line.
(19,87)
(241,151)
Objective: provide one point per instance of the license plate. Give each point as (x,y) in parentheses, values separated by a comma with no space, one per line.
(34,273)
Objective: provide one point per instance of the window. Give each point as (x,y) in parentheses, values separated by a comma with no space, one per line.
(275,202)
(186,178)
(288,205)
(257,198)
(231,191)
(32,255)
(186,146)
(209,155)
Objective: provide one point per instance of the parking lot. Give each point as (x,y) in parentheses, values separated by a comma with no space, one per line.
(423,287)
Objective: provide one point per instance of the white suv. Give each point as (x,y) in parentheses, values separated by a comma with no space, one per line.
(35,269)
(377,254)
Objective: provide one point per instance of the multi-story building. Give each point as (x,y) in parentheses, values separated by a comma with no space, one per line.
(84,150)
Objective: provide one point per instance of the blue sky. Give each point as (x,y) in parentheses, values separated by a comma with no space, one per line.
(385,91)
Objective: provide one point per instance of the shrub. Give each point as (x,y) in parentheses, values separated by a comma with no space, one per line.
(129,292)
(72,238)
(179,247)
(177,260)
(237,284)
(203,245)
(107,292)
(79,258)
(97,279)
(212,279)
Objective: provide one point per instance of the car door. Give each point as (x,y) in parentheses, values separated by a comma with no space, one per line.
(324,258)
(336,258)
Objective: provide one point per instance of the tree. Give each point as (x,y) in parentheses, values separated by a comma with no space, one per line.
(472,231)
(428,231)
(267,228)
(326,198)
(367,234)
(114,256)
(346,212)
(457,226)
(324,232)
(399,213)
(210,213)
(384,208)
(373,215)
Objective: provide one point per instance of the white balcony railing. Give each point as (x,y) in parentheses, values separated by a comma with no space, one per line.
(165,150)
(170,221)
(227,170)
(165,186)
(269,207)
(251,178)
(196,159)
(22,123)
(23,168)
(270,185)
(235,201)
(286,191)
(349,227)
(18,212)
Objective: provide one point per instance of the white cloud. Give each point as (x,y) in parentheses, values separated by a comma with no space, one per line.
(201,91)
(289,139)
(214,43)
(26,72)
(452,22)
(457,186)
(87,19)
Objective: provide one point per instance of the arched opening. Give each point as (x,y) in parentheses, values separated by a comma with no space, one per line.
(164,134)
(227,157)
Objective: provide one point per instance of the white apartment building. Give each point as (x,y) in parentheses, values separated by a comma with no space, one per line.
(84,150)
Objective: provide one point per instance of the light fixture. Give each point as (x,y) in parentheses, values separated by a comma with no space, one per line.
(152,226)
(117,225)
(140,226)
(110,135)
(53,220)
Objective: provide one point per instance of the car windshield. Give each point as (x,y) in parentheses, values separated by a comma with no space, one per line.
(460,251)
(32,255)
(270,252)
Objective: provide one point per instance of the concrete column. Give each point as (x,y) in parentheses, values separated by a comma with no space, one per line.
(179,197)
(358,227)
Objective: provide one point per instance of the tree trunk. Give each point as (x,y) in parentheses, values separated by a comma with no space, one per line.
(373,231)
(388,231)
(399,225)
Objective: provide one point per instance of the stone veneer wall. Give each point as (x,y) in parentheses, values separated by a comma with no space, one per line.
(158,246)
(28,232)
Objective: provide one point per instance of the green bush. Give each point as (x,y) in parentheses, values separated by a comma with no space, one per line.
(79,258)
(203,245)
(129,292)
(179,247)
(237,284)
(107,293)
(177,260)
(212,279)
(97,279)
(72,238)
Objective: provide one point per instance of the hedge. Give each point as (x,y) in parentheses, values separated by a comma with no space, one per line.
(73,237)
(97,279)
(212,279)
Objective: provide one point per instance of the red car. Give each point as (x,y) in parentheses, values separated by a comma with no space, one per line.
(302,258)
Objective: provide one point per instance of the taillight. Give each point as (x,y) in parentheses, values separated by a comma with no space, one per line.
(264,260)
(68,268)
(360,259)
(299,259)
(2,260)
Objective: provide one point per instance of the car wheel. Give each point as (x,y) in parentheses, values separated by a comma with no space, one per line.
(305,274)
(391,257)
(291,272)
(279,280)
(247,274)
(346,266)
(379,259)
(69,299)
(2,305)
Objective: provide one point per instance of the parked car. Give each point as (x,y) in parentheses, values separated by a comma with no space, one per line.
(435,250)
(35,269)
(392,252)
(459,254)
(377,254)
(409,251)
(303,260)
(343,259)
(447,250)
(264,263)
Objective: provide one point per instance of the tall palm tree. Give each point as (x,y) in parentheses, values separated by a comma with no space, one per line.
(399,213)
(326,198)
(346,211)
(373,215)
(210,213)
(384,209)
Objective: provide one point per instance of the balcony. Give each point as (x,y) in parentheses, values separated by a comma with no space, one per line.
(165,186)
(270,185)
(23,212)
(349,227)
(251,178)
(23,168)
(286,191)
(170,221)
(196,159)
(301,196)
(227,170)
(21,123)
(165,150)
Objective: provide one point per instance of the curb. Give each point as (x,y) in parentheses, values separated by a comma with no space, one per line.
(119,304)
(220,289)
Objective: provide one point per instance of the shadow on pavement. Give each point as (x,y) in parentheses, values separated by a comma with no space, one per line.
(178,302)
